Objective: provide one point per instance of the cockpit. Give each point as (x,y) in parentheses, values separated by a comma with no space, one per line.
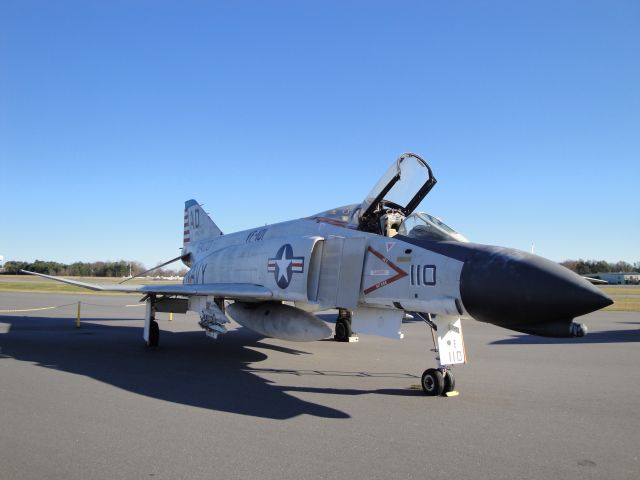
(389,208)
(396,195)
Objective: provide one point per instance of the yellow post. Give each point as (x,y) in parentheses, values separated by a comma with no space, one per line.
(78,317)
(170,316)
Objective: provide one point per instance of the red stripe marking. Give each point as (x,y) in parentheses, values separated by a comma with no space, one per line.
(400,273)
(334,222)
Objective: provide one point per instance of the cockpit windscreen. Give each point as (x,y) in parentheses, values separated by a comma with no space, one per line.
(425,226)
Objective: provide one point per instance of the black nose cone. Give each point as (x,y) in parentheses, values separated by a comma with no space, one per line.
(519,291)
(513,289)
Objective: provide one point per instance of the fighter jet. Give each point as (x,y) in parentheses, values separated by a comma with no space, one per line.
(374,262)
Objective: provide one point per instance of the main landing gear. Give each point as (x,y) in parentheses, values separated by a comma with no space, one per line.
(154,304)
(151,328)
(343,331)
(154,334)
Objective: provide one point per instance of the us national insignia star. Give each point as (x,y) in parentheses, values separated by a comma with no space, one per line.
(284,265)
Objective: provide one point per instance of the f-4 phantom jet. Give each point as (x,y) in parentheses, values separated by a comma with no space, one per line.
(375,263)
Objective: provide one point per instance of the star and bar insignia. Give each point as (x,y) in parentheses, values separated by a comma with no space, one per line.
(284,265)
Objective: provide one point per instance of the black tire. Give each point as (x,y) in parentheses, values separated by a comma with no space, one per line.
(154,334)
(449,382)
(342,330)
(432,382)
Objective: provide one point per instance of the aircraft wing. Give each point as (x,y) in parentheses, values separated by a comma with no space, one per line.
(226,290)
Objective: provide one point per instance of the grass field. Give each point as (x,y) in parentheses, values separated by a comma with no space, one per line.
(29,283)
(626,297)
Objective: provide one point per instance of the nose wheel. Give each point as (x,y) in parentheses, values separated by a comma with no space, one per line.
(437,381)
(449,381)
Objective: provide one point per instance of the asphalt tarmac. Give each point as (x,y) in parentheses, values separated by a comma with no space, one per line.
(95,403)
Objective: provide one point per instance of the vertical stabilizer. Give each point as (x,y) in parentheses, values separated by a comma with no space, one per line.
(197,225)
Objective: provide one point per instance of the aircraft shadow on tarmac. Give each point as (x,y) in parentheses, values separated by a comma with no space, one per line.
(610,336)
(187,368)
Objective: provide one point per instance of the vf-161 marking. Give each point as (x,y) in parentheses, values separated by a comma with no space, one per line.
(374,262)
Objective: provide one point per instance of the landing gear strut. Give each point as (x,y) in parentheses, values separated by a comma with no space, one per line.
(343,331)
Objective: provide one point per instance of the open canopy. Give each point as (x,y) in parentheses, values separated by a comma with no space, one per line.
(402,188)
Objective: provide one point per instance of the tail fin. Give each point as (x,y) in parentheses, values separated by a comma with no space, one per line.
(197,224)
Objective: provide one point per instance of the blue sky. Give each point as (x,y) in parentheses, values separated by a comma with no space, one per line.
(113,113)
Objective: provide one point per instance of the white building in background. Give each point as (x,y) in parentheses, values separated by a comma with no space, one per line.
(618,278)
(1,261)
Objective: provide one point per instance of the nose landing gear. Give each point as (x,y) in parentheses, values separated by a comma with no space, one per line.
(438,381)
(448,345)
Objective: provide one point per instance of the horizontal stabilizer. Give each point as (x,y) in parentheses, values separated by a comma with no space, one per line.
(596,281)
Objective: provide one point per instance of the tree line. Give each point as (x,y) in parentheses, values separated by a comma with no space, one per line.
(86,269)
(584,267)
(121,268)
